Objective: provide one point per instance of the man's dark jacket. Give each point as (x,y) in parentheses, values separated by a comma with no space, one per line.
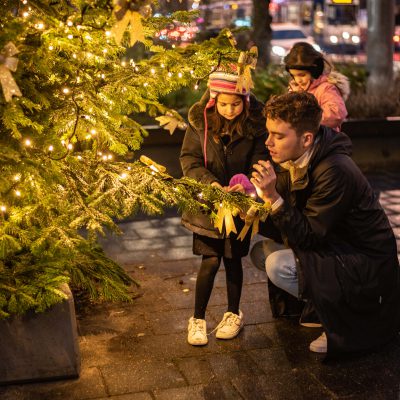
(344,244)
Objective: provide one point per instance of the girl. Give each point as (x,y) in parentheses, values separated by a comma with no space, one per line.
(225,137)
(312,73)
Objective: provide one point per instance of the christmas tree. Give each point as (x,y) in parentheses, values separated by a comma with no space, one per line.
(68,101)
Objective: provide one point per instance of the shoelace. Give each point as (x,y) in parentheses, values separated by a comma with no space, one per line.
(228,319)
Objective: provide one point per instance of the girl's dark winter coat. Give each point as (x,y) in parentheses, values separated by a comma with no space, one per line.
(346,249)
(223,162)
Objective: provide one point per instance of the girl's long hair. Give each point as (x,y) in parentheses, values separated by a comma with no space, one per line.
(218,124)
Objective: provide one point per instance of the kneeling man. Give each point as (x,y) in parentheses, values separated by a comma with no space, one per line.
(338,251)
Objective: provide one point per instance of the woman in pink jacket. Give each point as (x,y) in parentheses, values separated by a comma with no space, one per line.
(311,72)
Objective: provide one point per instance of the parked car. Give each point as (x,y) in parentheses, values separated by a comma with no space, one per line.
(284,36)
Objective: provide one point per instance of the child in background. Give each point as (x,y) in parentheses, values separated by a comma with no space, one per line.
(312,73)
(225,137)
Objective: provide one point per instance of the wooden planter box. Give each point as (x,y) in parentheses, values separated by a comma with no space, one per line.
(40,346)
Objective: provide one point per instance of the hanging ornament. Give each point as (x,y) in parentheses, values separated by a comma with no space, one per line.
(152,164)
(129,13)
(246,62)
(170,122)
(8,64)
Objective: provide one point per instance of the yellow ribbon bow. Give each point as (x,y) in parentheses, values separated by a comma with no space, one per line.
(252,219)
(9,64)
(125,16)
(225,216)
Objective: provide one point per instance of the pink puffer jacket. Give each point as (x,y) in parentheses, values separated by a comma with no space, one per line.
(331,99)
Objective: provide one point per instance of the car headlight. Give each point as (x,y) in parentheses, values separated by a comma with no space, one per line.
(278,50)
(333,39)
(355,39)
(346,35)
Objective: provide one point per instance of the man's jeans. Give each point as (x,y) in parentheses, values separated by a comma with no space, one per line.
(279,262)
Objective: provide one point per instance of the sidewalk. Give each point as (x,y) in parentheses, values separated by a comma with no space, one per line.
(138,351)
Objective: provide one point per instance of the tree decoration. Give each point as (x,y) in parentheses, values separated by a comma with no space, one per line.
(246,62)
(129,13)
(9,64)
(170,122)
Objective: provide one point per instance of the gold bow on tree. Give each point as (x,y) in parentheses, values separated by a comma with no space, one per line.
(225,216)
(252,219)
(170,122)
(246,62)
(129,13)
(8,64)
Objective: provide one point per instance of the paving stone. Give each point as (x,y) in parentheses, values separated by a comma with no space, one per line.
(162,232)
(88,386)
(213,390)
(143,245)
(294,386)
(140,376)
(130,396)
(176,253)
(196,369)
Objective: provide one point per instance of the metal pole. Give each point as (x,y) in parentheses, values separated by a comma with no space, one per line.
(380,45)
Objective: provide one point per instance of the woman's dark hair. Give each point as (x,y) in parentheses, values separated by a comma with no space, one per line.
(218,124)
(303,56)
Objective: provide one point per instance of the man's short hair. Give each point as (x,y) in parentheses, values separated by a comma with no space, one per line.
(299,109)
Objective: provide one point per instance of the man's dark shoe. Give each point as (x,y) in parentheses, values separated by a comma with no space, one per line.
(309,317)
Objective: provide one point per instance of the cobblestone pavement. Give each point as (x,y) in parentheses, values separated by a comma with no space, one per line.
(138,351)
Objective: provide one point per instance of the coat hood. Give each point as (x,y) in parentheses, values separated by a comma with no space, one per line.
(341,82)
(255,124)
(329,142)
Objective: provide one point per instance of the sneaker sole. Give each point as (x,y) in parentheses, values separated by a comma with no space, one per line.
(311,324)
(223,336)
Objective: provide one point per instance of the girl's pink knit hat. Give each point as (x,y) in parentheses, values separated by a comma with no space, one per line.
(221,82)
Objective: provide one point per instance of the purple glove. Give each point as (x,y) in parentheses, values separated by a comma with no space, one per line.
(244,181)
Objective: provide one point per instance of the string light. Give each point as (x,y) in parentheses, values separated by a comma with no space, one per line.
(17,177)
(40,25)
(51,47)
(65,90)
(179,74)
(93,131)
(123,63)
(108,33)
(51,148)
(70,147)
(28,142)
(110,156)
(170,74)
(3,208)
(105,158)
(129,168)
(153,71)
(25,14)
(124,175)
(70,36)
(70,23)
(17,193)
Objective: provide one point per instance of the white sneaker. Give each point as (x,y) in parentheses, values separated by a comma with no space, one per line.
(197,332)
(230,325)
(319,345)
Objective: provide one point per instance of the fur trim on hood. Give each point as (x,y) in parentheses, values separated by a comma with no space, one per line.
(341,82)
(255,125)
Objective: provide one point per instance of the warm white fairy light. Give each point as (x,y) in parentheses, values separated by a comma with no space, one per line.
(105,51)
(196,86)
(65,90)
(24,1)
(169,74)
(88,37)
(25,14)
(17,177)
(3,208)
(51,47)
(18,193)
(179,74)
(103,76)
(40,25)
(99,153)
(153,71)
(123,63)
(70,23)
(79,157)
(145,84)
(200,195)
(108,33)
(93,131)
(105,158)
(87,137)
(124,175)
(74,55)
(70,147)
(137,69)
(28,142)
(129,168)
(70,36)
(63,142)
(51,147)
(191,72)
(110,156)
(162,65)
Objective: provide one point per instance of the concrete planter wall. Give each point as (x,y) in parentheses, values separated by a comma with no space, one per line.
(376,142)
(40,346)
